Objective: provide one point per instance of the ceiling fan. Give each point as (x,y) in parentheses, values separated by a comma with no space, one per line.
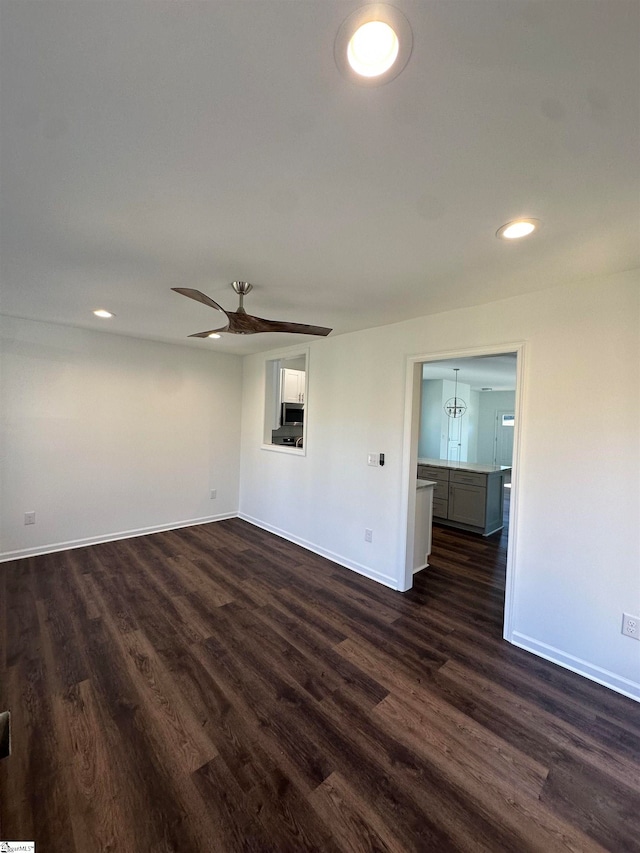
(241,323)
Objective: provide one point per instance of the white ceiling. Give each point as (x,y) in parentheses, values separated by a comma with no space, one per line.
(149,145)
(496,372)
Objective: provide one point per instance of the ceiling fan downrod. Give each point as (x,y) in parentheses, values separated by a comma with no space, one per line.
(241,288)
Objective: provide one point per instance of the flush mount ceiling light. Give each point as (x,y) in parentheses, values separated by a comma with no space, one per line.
(214,335)
(100,312)
(373,45)
(518,228)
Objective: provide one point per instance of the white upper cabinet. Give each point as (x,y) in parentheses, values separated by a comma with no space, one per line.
(292,385)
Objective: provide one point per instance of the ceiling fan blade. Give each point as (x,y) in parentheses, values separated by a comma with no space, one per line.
(210,332)
(241,323)
(246,324)
(199,297)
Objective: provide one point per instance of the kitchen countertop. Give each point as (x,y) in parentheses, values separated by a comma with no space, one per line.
(477,467)
(425,484)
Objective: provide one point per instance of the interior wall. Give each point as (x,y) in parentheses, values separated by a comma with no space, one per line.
(104,434)
(442,437)
(577,548)
(456,430)
(430,419)
(297,363)
(490,403)
(472,414)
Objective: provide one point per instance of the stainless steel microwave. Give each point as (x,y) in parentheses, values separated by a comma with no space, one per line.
(292,414)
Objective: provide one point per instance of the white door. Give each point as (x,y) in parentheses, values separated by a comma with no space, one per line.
(505,427)
(454,439)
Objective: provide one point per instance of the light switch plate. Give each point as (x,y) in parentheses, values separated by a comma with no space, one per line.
(372,459)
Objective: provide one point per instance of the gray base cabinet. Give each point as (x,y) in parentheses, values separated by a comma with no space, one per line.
(469,500)
(467,504)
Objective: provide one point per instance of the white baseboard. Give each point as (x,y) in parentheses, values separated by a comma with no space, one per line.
(6,556)
(582,667)
(387,580)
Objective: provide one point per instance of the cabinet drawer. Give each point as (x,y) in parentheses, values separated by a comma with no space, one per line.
(468,478)
(427,472)
(440,508)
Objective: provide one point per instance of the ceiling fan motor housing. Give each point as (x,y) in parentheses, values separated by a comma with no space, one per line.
(242,287)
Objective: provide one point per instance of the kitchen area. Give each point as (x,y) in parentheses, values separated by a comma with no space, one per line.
(290,391)
(465,447)
(467,495)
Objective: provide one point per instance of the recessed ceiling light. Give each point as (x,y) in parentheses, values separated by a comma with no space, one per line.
(214,335)
(373,44)
(100,312)
(373,49)
(518,228)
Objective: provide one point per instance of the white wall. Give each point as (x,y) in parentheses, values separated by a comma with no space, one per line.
(298,363)
(577,550)
(442,437)
(456,430)
(104,434)
(431,419)
(472,414)
(490,403)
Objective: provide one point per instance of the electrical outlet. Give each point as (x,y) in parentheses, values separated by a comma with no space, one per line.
(368,535)
(372,459)
(214,494)
(29,518)
(631,626)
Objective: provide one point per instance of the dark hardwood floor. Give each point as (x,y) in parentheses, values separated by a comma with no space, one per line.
(219,689)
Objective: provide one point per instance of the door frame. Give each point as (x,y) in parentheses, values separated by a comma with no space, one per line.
(413,398)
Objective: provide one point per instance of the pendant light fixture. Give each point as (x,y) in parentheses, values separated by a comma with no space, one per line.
(455,407)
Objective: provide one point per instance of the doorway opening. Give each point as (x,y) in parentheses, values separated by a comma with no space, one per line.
(481,391)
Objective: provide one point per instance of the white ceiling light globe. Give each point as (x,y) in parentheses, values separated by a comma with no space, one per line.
(373,49)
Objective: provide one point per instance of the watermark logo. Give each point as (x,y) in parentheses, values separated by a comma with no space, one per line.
(17,847)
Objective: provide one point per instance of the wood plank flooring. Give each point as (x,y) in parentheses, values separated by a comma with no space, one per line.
(218,689)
